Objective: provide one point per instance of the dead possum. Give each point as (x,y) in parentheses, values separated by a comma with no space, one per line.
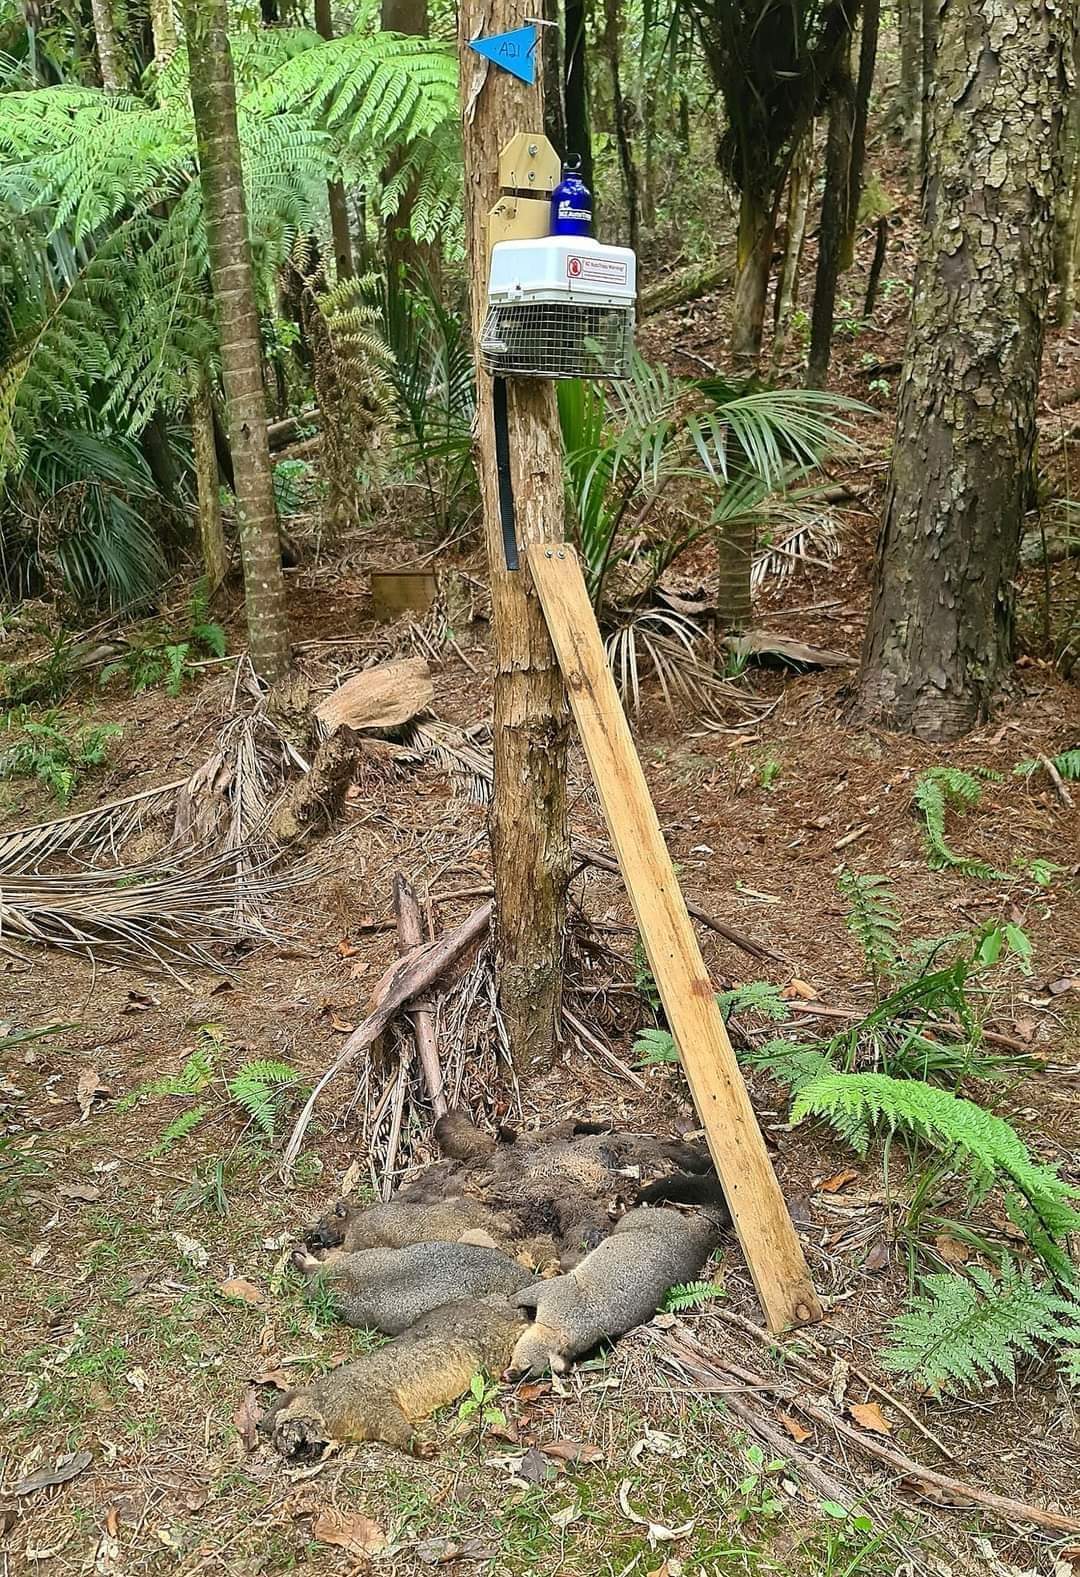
(387,1289)
(398,1222)
(384,1395)
(618,1285)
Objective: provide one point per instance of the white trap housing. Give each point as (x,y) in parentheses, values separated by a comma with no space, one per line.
(560,307)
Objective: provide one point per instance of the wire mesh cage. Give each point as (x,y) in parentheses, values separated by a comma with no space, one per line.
(548,339)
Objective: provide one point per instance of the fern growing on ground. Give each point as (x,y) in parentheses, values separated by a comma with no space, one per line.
(873,918)
(257,1087)
(935,791)
(959,1331)
(1067,765)
(691,1295)
(654,1047)
(973,1141)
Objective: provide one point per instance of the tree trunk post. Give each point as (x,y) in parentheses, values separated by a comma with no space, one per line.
(757,227)
(800,181)
(110,53)
(213,99)
(529,834)
(836,207)
(940,633)
(909,26)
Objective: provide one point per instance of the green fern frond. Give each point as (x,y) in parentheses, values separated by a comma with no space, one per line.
(691,1295)
(257,1088)
(1067,764)
(986,1147)
(960,1331)
(788,1062)
(758,996)
(655,1048)
(873,918)
(179,1129)
(935,790)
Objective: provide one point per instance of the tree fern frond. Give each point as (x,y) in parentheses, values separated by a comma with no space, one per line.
(691,1295)
(758,996)
(960,1331)
(1067,765)
(257,1088)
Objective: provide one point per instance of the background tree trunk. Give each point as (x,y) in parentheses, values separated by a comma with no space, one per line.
(835,210)
(798,202)
(941,621)
(757,229)
(335,191)
(163,24)
(910,91)
(576,98)
(405,256)
(211,531)
(734,558)
(529,834)
(554,68)
(621,112)
(114,77)
(800,181)
(213,98)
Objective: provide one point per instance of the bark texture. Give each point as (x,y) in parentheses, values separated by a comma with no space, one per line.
(114,77)
(910,87)
(941,622)
(757,228)
(529,834)
(163,25)
(800,182)
(213,99)
(622,114)
(211,531)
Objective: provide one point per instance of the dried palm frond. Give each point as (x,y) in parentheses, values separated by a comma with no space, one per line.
(159,910)
(814,540)
(228,799)
(672,649)
(98,832)
(464,753)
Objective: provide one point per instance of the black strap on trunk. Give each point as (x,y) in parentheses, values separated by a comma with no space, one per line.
(504,483)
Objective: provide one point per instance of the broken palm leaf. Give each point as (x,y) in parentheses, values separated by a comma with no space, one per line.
(157,911)
(100,831)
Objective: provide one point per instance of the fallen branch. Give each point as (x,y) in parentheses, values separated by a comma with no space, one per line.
(686,286)
(418,970)
(705,1366)
(604,862)
(407,910)
(790,1356)
(1058,781)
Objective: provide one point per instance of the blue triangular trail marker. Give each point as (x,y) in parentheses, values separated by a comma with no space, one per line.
(514,52)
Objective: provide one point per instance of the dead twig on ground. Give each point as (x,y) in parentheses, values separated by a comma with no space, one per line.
(604,862)
(411,975)
(407,910)
(769,1341)
(705,1366)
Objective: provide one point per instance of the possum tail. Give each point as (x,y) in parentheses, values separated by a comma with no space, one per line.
(686,1189)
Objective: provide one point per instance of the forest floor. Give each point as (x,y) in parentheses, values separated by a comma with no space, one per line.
(117,1337)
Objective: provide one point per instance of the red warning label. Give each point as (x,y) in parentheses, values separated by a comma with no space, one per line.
(604,270)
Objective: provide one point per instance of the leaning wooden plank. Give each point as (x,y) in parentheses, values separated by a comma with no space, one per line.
(413,974)
(765,1229)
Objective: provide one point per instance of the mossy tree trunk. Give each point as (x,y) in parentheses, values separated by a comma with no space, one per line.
(941,623)
(753,261)
(110,53)
(213,98)
(800,182)
(215,556)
